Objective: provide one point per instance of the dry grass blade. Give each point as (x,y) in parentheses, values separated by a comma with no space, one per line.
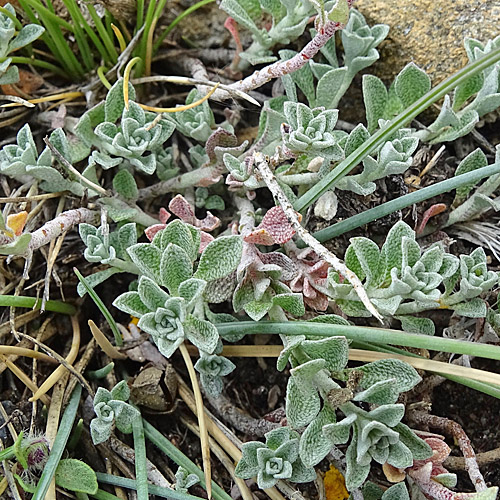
(27,353)
(246,494)
(200,413)
(104,343)
(23,378)
(231,449)
(60,370)
(273,351)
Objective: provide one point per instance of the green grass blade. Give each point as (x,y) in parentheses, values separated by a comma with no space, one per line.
(177,20)
(105,38)
(47,14)
(140,15)
(383,135)
(104,310)
(161,442)
(104,495)
(123,482)
(34,303)
(36,62)
(363,334)
(143,44)
(141,472)
(80,37)
(59,445)
(402,202)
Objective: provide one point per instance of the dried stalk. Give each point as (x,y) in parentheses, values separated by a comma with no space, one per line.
(262,166)
(454,429)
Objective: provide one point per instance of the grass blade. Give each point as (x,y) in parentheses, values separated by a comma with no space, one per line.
(112,56)
(124,482)
(104,310)
(161,442)
(59,444)
(344,167)
(404,201)
(34,303)
(364,334)
(141,472)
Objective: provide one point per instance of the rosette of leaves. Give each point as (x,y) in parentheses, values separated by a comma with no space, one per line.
(198,122)
(107,248)
(112,409)
(212,368)
(133,142)
(310,131)
(10,42)
(377,435)
(359,41)
(169,262)
(472,278)
(275,460)
(184,480)
(394,157)
(22,161)
(471,207)
(401,280)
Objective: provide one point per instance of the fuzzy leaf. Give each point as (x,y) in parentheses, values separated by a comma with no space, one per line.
(124,184)
(334,350)
(131,303)
(75,475)
(396,492)
(472,161)
(419,448)
(475,308)
(220,258)
(27,35)
(328,88)
(290,302)
(406,376)
(201,333)
(301,408)
(314,446)
(175,268)
(411,84)
(147,258)
(412,324)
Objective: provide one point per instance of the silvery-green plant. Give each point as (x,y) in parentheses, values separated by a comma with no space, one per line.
(394,157)
(314,399)
(402,280)
(112,409)
(198,122)
(11,41)
(481,200)
(359,42)
(289,20)
(311,131)
(134,142)
(275,460)
(212,368)
(22,161)
(171,262)
(184,480)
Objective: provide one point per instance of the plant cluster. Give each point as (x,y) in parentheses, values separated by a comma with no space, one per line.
(261,264)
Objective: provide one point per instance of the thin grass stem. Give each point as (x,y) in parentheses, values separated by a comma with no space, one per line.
(402,202)
(34,303)
(141,472)
(59,444)
(37,62)
(106,39)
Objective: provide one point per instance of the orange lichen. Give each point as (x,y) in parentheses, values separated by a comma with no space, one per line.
(335,485)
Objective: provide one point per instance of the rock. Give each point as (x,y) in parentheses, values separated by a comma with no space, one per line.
(429,32)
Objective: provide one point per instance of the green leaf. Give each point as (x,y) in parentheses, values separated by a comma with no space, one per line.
(147,258)
(220,258)
(412,324)
(17,247)
(74,475)
(472,161)
(301,408)
(131,303)
(114,104)
(176,267)
(363,257)
(124,184)
(201,333)
(406,376)
(339,12)
(466,90)
(314,446)
(334,350)
(290,302)
(419,448)
(411,84)
(27,35)
(181,234)
(328,88)
(396,492)
(475,308)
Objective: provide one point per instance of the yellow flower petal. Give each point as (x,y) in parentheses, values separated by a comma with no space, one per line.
(335,485)
(16,222)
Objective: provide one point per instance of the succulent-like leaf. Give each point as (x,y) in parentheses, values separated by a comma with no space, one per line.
(220,258)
